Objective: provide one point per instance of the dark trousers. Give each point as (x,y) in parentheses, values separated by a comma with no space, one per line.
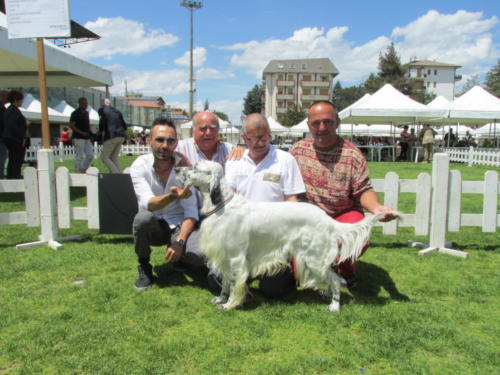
(149,231)
(404,151)
(16,152)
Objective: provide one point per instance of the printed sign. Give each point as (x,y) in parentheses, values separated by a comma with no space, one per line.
(38,18)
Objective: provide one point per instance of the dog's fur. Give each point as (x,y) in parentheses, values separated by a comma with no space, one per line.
(244,239)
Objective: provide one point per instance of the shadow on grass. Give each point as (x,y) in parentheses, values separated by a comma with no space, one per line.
(372,280)
(167,276)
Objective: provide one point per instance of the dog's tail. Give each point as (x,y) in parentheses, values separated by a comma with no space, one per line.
(352,238)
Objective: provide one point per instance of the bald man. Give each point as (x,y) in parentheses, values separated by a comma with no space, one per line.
(205,143)
(266,174)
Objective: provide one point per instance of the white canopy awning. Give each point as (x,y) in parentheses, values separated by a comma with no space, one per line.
(32,110)
(18,65)
(476,106)
(389,105)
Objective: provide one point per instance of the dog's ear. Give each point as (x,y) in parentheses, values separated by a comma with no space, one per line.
(215,191)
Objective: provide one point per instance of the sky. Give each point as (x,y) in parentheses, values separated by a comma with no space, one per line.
(146,43)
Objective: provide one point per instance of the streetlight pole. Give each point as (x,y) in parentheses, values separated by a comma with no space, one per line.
(192,6)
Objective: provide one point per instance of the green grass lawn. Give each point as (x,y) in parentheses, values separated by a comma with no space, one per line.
(75,311)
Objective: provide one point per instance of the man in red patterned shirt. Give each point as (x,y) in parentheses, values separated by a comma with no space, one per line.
(335,173)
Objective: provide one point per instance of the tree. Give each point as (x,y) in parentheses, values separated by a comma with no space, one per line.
(391,71)
(373,83)
(221,115)
(472,81)
(293,116)
(253,101)
(344,97)
(492,81)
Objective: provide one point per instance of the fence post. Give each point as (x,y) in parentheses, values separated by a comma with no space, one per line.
(391,192)
(31,197)
(93,198)
(63,197)
(490,201)
(471,156)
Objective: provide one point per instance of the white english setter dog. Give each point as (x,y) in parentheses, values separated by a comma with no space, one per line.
(244,239)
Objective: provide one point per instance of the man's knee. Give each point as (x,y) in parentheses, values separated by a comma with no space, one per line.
(144,221)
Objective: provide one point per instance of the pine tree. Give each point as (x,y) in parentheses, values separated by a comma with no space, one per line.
(253,101)
(492,82)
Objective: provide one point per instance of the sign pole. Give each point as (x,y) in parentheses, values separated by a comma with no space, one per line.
(43,93)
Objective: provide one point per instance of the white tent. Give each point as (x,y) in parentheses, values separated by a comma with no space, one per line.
(276,127)
(439,102)
(345,111)
(64,108)
(490,130)
(32,110)
(389,105)
(93,115)
(476,106)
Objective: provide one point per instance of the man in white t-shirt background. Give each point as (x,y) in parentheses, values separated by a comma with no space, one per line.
(266,174)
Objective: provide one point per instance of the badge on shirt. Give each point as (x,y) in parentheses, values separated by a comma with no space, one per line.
(272,177)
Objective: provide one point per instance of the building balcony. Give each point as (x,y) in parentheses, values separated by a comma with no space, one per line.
(281,110)
(284,96)
(285,83)
(313,98)
(315,83)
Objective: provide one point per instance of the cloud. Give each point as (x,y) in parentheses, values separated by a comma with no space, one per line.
(114,41)
(199,57)
(210,73)
(462,38)
(150,82)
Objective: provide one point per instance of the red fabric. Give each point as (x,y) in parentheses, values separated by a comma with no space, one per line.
(347,267)
(64,136)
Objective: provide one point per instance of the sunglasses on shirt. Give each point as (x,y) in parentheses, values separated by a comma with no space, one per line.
(170,141)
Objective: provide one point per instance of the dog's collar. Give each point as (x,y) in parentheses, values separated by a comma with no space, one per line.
(219,206)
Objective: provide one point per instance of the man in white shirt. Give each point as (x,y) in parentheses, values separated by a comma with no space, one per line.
(205,143)
(266,174)
(167,213)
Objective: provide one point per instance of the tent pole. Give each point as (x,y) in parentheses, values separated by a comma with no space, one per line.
(43,93)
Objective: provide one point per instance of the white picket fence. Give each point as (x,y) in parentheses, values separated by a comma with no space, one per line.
(471,155)
(61,152)
(437,200)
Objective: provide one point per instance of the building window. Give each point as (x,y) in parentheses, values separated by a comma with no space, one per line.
(280,104)
(306,91)
(435,72)
(323,91)
(306,77)
(280,77)
(324,78)
(434,85)
(428,72)
(419,72)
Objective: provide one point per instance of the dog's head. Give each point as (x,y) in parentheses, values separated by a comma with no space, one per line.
(206,175)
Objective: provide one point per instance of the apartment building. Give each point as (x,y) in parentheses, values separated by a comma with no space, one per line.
(300,82)
(437,77)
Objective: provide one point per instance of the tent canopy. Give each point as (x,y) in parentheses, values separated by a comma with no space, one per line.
(19,68)
(476,106)
(389,105)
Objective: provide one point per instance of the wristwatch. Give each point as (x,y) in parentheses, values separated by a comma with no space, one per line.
(180,242)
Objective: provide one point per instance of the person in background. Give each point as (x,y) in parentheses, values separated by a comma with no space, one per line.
(427,139)
(403,141)
(65,137)
(412,139)
(112,126)
(79,123)
(3,148)
(14,134)
(335,174)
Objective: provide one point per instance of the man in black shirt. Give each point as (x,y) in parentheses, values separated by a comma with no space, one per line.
(3,148)
(80,124)
(112,127)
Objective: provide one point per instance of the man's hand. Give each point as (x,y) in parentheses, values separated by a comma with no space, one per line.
(179,193)
(174,252)
(390,213)
(236,153)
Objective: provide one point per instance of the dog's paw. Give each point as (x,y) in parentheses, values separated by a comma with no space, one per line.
(226,306)
(219,300)
(333,307)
